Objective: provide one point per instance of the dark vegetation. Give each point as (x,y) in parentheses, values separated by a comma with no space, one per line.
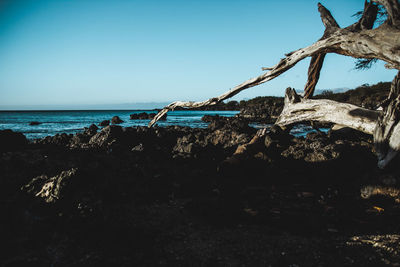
(367,96)
(265,109)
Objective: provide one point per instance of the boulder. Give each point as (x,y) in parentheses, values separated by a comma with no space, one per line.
(263,109)
(104,123)
(32,123)
(138,148)
(10,140)
(276,140)
(56,140)
(116,120)
(146,116)
(237,124)
(142,116)
(107,136)
(92,130)
(79,139)
(51,189)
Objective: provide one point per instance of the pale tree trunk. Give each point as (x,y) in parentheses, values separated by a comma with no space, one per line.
(358,40)
(298,109)
(387,131)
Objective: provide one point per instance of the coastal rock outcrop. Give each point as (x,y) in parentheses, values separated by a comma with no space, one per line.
(10,140)
(262,109)
(104,123)
(146,116)
(116,120)
(106,136)
(51,189)
(142,116)
(222,132)
(91,130)
(142,186)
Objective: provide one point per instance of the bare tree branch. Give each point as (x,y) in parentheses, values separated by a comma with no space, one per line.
(299,109)
(313,74)
(393,11)
(370,44)
(387,131)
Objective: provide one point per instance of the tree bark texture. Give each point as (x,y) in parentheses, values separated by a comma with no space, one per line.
(387,130)
(359,40)
(298,109)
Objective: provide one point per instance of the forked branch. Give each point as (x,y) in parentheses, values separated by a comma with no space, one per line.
(356,41)
(297,110)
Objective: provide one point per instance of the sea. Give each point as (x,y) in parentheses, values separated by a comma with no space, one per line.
(66,121)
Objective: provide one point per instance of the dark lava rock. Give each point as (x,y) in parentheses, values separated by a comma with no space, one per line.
(223,132)
(56,140)
(142,116)
(262,109)
(92,130)
(34,123)
(346,133)
(316,147)
(146,116)
(50,189)
(147,207)
(79,139)
(210,118)
(138,148)
(106,136)
(10,140)
(104,123)
(276,140)
(237,124)
(116,120)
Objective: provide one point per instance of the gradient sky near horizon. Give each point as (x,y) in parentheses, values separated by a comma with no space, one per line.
(77,52)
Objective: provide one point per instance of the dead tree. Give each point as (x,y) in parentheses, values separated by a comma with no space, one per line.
(359,40)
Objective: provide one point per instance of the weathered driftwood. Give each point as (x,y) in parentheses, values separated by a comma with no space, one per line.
(383,125)
(358,40)
(387,131)
(298,109)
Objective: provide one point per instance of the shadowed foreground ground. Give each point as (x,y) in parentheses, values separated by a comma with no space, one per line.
(175,197)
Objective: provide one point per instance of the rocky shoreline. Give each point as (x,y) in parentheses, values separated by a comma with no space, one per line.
(178,196)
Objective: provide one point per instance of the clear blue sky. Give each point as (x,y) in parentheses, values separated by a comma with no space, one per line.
(118,51)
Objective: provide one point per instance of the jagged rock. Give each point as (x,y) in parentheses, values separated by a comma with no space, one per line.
(228,123)
(50,189)
(346,133)
(116,120)
(57,140)
(315,148)
(276,140)
(79,139)
(104,123)
(227,133)
(210,118)
(10,140)
(262,109)
(146,116)
(106,136)
(91,130)
(142,116)
(138,148)
(32,123)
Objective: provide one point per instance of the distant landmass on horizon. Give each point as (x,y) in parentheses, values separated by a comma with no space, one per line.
(124,106)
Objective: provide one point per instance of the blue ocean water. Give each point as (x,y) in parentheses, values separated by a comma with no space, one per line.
(54,122)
